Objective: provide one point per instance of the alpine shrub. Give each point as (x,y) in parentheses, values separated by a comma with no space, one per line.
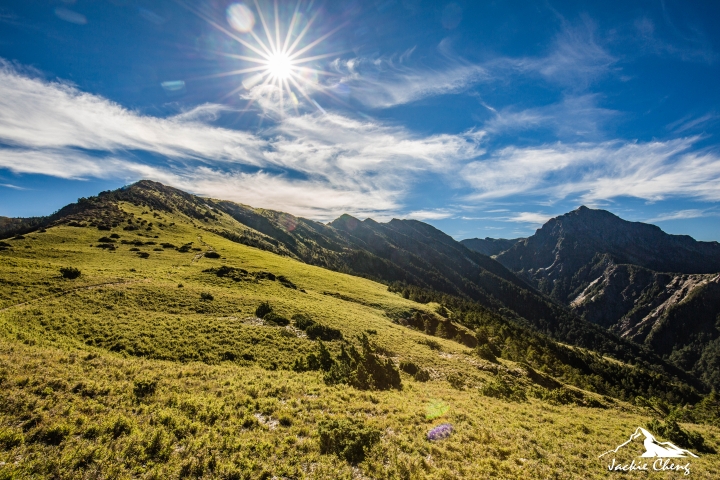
(347,438)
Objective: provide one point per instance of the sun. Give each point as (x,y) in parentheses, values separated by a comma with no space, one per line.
(280,66)
(281,59)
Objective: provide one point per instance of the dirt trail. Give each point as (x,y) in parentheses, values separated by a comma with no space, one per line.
(65,292)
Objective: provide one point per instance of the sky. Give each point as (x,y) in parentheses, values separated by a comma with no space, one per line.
(482,118)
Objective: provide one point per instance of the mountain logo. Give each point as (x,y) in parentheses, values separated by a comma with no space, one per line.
(653,449)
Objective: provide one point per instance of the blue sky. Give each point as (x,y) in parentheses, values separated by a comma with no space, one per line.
(481,118)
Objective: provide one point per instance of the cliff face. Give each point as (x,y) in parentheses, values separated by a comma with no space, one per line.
(560,257)
(632,278)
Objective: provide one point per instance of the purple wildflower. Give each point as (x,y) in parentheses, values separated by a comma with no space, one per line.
(440,432)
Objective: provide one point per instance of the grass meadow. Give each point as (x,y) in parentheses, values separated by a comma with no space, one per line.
(151,365)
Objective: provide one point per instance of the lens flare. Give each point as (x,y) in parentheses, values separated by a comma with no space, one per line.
(281,60)
(240,17)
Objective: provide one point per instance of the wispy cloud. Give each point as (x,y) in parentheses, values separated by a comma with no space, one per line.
(575,117)
(576,58)
(683,214)
(436,214)
(381,83)
(598,171)
(532,218)
(690,48)
(10,185)
(318,165)
(689,123)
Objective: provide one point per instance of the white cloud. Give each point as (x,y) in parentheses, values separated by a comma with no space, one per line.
(436,214)
(315,165)
(575,60)
(383,84)
(682,214)
(598,171)
(529,217)
(574,117)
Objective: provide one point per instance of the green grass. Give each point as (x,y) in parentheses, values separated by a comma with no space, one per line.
(123,373)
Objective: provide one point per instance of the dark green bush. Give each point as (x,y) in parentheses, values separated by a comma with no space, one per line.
(409,367)
(11,438)
(53,435)
(347,438)
(206,296)
(263,309)
(501,388)
(286,282)
(317,331)
(430,343)
(302,321)
(672,431)
(144,387)
(422,375)
(212,255)
(275,319)
(456,381)
(69,272)
(485,352)
(364,370)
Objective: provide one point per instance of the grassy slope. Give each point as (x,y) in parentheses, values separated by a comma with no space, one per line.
(69,410)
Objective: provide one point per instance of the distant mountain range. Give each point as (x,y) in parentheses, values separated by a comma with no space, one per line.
(632,278)
(587,278)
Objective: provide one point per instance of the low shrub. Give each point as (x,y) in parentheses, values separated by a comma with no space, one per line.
(212,255)
(144,388)
(364,369)
(672,431)
(53,435)
(263,309)
(302,321)
(430,343)
(348,438)
(321,332)
(409,367)
(485,352)
(422,375)
(286,282)
(275,319)
(501,388)
(205,296)
(11,438)
(456,381)
(69,272)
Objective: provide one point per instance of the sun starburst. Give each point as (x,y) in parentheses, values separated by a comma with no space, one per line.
(281,60)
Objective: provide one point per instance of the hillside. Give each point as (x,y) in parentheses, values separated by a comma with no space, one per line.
(153,362)
(400,252)
(556,258)
(632,278)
